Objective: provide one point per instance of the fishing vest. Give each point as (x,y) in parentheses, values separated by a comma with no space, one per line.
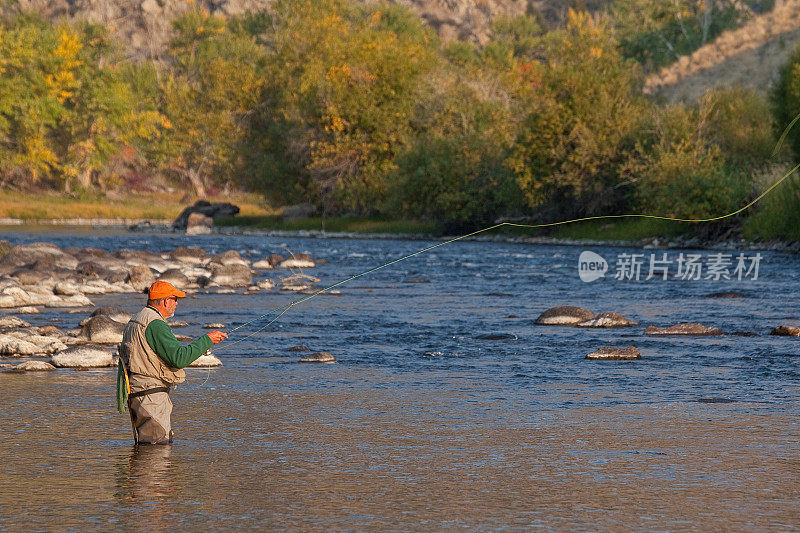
(137,355)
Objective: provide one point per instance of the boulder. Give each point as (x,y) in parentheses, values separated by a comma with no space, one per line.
(230,257)
(12,321)
(114,313)
(786,331)
(76,300)
(45,344)
(19,297)
(31,366)
(214,325)
(178,324)
(231,275)
(300,348)
(27,310)
(206,360)
(199,224)
(140,277)
(298,282)
(13,346)
(318,357)
(190,256)
(564,315)
(263,264)
(101,329)
(607,320)
(266,284)
(67,288)
(27,254)
(298,261)
(616,353)
(208,209)
(684,328)
(275,259)
(86,356)
(176,277)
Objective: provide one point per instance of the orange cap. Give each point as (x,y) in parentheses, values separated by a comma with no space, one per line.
(163,289)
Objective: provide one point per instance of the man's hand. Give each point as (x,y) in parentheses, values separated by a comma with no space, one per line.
(216,336)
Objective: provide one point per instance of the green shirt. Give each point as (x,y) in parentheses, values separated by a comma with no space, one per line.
(161,339)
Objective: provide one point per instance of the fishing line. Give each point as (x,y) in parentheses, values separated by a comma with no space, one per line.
(314,294)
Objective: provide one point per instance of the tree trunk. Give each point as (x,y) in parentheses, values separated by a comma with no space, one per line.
(197,182)
(707,8)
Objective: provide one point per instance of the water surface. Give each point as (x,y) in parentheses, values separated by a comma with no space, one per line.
(424,423)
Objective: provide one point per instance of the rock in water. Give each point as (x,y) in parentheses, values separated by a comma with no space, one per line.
(231,275)
(13,346)
(206,360)
(564,315)
(31,366)
(786,331)
(318,357)
(615,353)
(178,279)
(199,224)
(298,261)
(114,313)
(140,277)
(300,348)
(87,356)
(214,325)
(12,321)
(684,328)
(608,320)
(101,329)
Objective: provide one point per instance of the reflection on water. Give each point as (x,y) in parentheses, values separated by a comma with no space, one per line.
(146,475)
(448,409)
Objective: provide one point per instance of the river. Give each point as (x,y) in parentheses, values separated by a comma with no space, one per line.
(447,409)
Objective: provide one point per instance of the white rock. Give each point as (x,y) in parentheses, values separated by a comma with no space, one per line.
(44,343)
(87,356)
(31,366)
(77,300)
(262,264)
(297,263)
(10,345)
(265,284)
(30,310)
(12,321)
(66,288)
(206,360)
(215,325)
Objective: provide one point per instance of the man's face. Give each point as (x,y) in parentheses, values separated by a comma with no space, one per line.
(171,303)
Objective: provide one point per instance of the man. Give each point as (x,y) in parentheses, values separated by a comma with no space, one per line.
(151,360)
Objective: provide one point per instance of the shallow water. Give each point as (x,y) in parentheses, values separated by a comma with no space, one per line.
(423,424)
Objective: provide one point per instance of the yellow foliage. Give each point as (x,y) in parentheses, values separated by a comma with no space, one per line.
(69,45)
(595,51)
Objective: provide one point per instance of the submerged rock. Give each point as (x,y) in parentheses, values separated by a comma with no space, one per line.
(318,357)
(416,279)
(299,348)
(564,315)
(87,356)
(496,337)
(31,366)
(607,320)
(615,353)
(786,331)
(214,325)
(732,294)
(684,328)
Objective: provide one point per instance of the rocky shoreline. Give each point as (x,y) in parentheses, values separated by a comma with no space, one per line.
(42,275)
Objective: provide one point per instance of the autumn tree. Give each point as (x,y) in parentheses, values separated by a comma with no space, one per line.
(343,80)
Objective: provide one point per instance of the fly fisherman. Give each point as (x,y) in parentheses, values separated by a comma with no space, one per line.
(151,360)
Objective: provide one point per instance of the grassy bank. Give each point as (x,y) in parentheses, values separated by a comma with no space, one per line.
(47,205)
(623,230)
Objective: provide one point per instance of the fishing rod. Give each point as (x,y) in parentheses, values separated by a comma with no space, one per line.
(283,309)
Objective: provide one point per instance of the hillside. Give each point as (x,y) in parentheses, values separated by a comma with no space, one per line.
(750,56)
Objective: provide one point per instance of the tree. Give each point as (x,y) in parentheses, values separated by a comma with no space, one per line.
(584,113)
(214,81)
(343,81)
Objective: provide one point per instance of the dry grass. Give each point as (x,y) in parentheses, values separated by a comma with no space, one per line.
(158,205)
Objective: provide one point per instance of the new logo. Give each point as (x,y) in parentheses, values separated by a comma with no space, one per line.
(591,266)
